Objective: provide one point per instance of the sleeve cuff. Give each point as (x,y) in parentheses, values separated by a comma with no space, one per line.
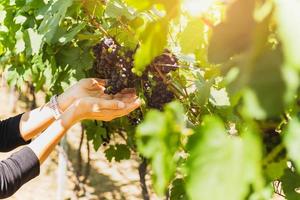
(16,123)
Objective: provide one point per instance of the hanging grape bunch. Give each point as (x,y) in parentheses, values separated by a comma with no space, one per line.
(115,65)
(106,53)
(159,69)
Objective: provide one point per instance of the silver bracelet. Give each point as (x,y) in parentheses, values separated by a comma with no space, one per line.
(53,104)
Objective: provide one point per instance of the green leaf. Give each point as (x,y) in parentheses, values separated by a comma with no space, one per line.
(290,182)
(118,151)
(192,36)
(235,34)
(292,141)
(177,191)
(72,33)
(217,162)
(219,98)
(202,91)
(94,8)
(262,75)
(78,59)
(52,16)
(116,9)
(20,44)
(154,40)
(158,140)
(33,41)
(288,17)
(275,170)
(95,133)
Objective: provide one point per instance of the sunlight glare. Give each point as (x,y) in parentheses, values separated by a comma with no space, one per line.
(197,7)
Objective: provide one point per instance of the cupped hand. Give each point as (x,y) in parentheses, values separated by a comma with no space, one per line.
(89,87)
(104,107)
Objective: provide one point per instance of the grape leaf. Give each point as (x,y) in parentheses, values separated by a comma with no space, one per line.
(213,158)
(118,151)
(292,141)
(72,33)
(228,40)
(219,98)
(55,12)
(192,36)
(94,8)
(154,40)
(79,60)
(290,182)
(33,41)
(158,139)
(20,44)
(263,75)
(177,191)
(288,17)
(117,8)
(95,133)
(275,170)
(202,92)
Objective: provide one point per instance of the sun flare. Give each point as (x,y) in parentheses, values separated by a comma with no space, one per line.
(197,7)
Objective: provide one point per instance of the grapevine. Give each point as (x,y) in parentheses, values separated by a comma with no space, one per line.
(219,85)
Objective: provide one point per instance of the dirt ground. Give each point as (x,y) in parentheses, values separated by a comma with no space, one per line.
(111,181)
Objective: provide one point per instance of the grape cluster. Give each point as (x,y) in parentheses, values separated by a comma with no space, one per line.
(165,63)
(106,53)
(160,96)
(122,77)
(115,65)
(156,91)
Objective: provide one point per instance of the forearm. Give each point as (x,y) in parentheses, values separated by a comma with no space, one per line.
(34,122)
(44,144)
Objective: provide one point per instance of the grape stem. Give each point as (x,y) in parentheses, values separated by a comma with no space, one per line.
(98,26)
(175,89)
(126,27)
(273,154)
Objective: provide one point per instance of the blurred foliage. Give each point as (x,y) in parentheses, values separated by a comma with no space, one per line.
(238,81)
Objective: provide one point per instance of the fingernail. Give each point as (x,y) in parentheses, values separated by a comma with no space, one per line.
(121,105)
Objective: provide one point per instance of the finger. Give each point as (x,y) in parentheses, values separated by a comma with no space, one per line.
(129,108)
(128,90)
(109,97)
(128,95)
(132,106)
(96,84)
(101,81)
(107,104)
(128,99)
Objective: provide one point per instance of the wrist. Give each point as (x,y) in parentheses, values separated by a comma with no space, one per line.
(65,100)
(70,116)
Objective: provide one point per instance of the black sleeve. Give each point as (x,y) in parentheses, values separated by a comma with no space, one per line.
(10,136)
(18,169)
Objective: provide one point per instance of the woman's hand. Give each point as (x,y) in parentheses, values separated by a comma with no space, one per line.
(90,87)
(104,107)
